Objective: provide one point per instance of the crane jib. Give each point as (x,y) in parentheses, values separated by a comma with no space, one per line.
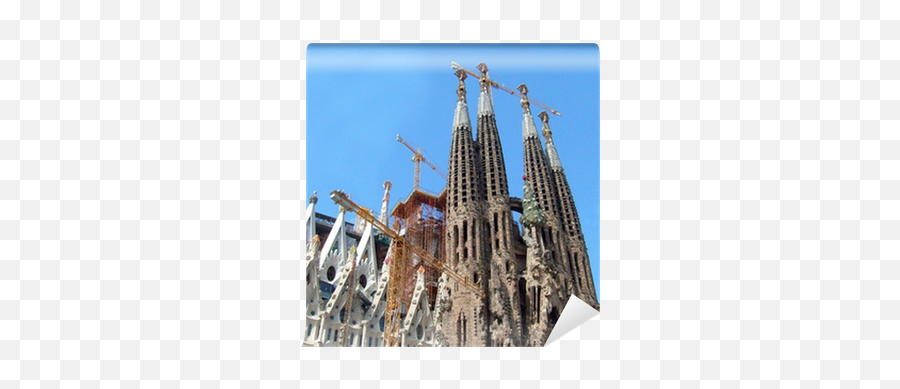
(456,66)
(341,199)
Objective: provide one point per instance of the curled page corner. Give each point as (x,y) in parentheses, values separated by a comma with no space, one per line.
(575,313)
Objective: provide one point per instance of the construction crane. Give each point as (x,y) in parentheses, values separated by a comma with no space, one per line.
(418,158)
(483,68)
(402,249)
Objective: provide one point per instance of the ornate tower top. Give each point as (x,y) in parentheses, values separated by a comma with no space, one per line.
(461,118)
(484,71)
(525,104)
(461,91)
(552,155)
(546,120)
(314,199)
(485,100)
(528,128)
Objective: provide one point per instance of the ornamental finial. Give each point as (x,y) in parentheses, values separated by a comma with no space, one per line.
(485,101)
(461,116)
(546,120)
(461,90)
(484,81)
(525,104)
(552,154)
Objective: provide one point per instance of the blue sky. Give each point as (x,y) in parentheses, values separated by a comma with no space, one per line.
(359,97)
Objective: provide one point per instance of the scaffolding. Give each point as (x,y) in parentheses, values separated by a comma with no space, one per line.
(421,217)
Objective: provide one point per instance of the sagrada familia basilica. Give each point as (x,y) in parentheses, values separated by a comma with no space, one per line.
(511,280)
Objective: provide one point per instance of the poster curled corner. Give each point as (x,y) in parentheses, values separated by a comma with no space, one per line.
(575,313)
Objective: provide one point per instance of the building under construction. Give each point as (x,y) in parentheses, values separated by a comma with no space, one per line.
(453,268)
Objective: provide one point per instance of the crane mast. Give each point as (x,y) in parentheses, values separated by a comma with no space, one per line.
(418,158)
(483,68)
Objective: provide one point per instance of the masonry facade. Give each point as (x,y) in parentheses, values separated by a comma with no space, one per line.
(527,275)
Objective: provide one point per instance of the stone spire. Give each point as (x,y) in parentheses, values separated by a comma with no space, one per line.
(576,250)
(536,165)
(496,185)
(464,181)
(528,129)
(552,156)
(461,116)
(537,170)
(506,322)
(464,320)
(485,99)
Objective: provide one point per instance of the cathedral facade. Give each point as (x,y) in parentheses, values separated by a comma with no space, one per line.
(527,274)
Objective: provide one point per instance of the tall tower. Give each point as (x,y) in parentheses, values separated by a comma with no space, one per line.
(506,321)
(464,322)
(537,171)
(576,250)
